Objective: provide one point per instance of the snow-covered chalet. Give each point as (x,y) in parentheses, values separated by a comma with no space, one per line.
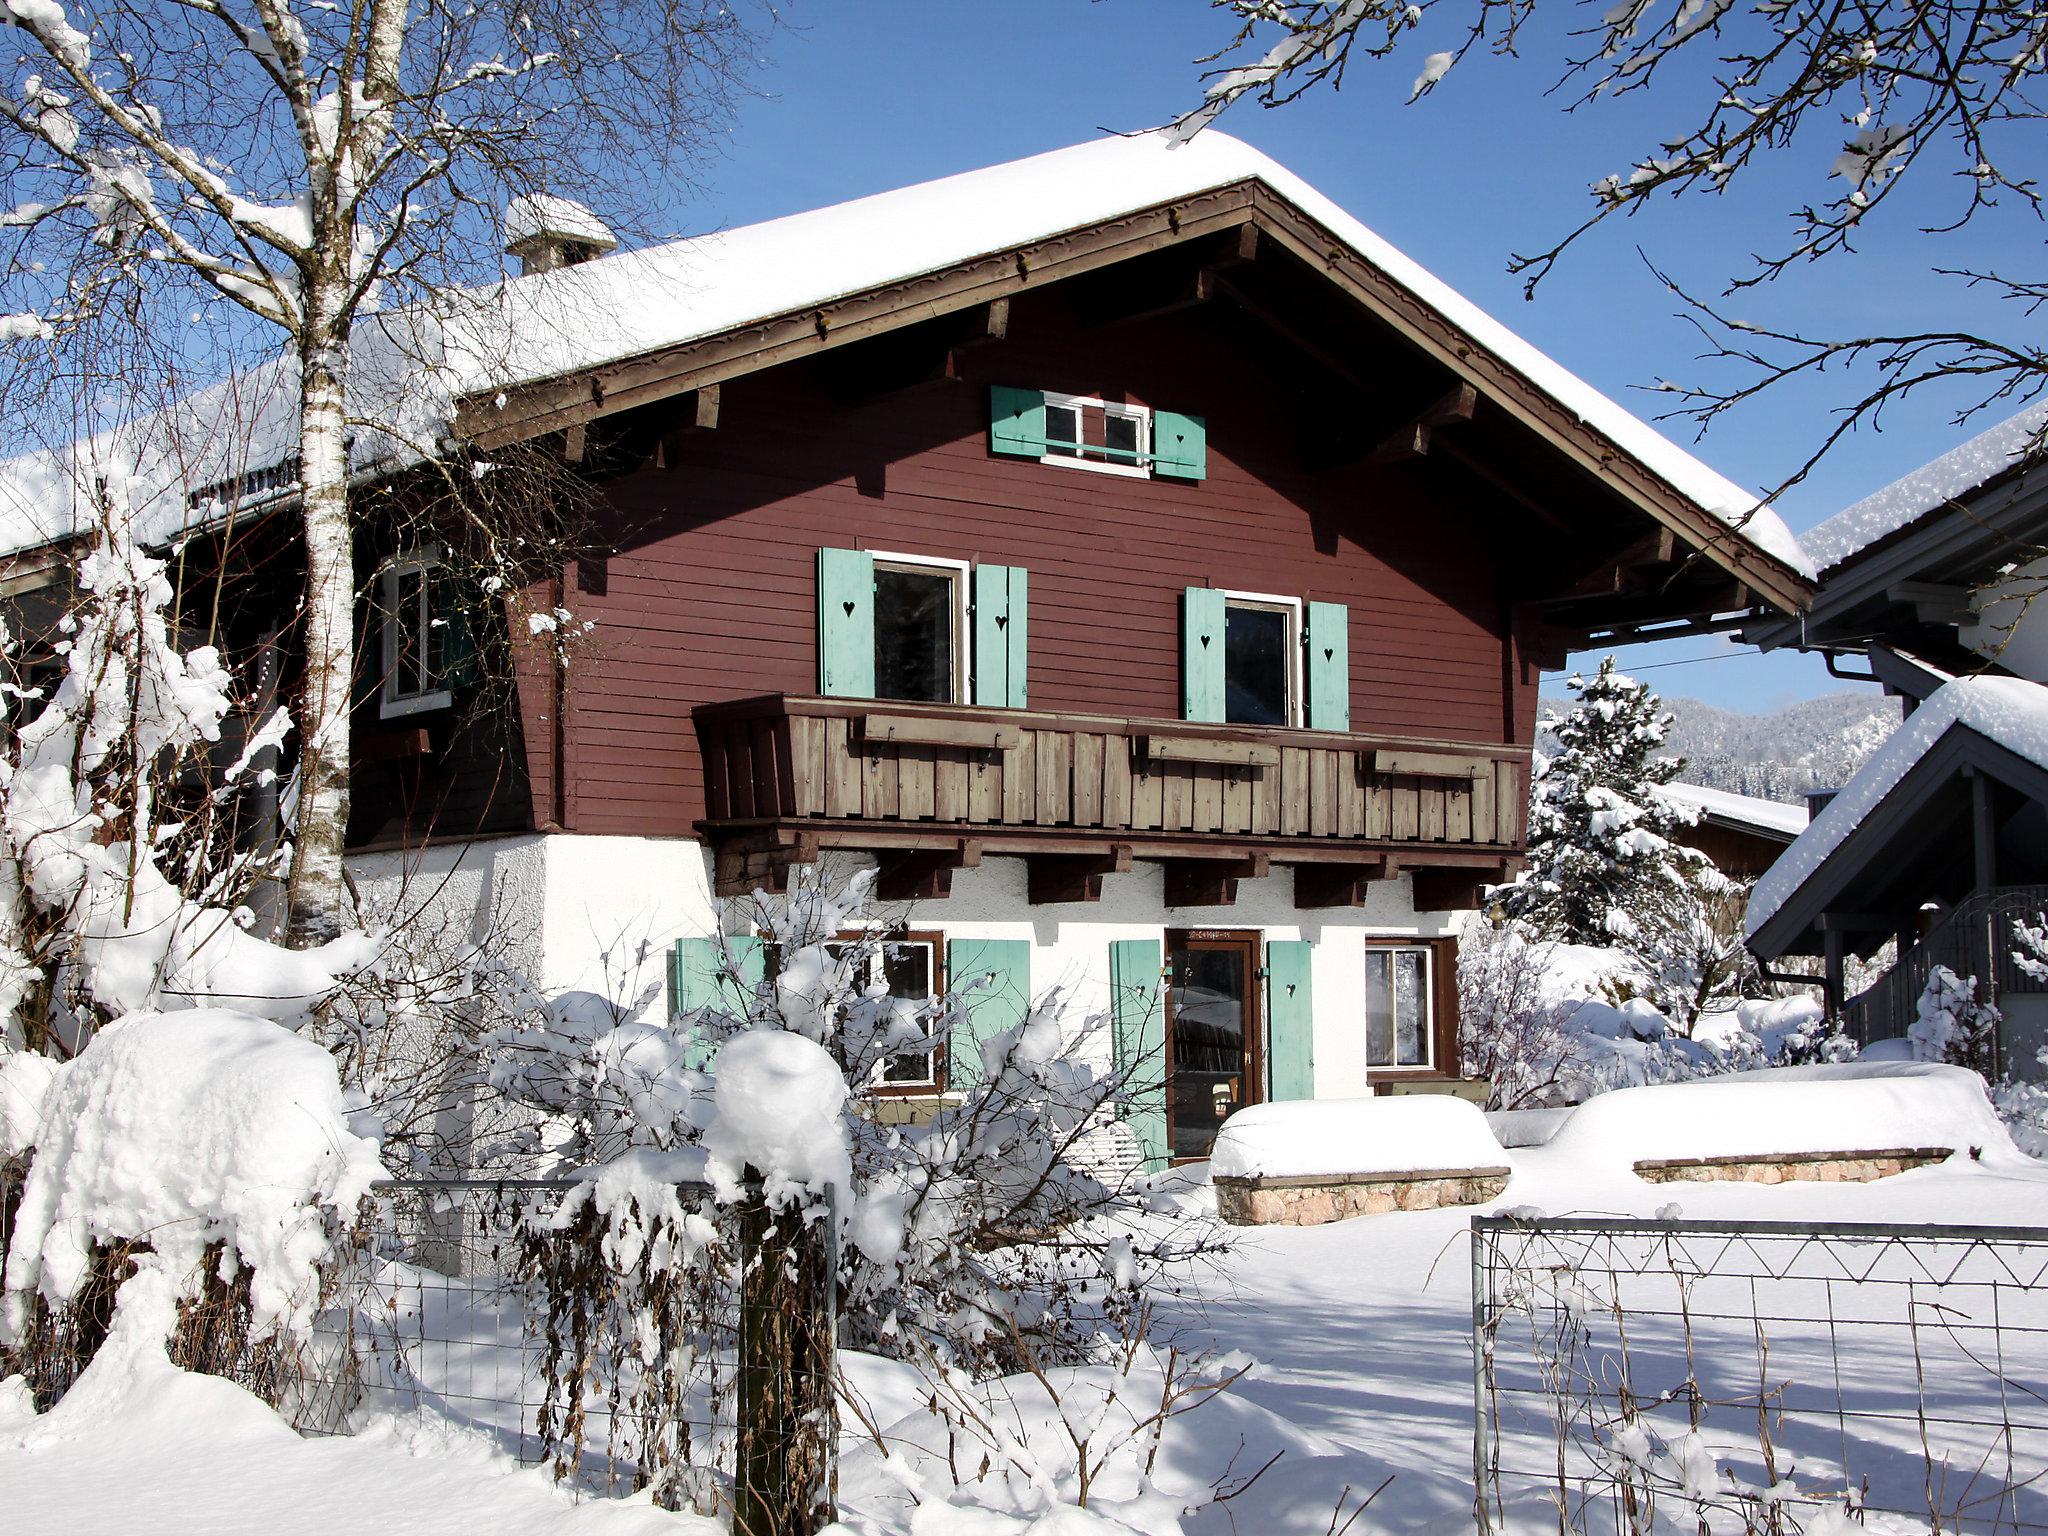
(1939,843)
(1134,558)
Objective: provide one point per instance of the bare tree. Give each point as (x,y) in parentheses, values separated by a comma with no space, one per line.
(1884,89)
(303,167)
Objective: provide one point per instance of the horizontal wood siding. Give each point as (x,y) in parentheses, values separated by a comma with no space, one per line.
(711,589)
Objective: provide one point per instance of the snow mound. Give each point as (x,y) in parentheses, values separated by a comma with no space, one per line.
(1408,1134)
(2008,710)
(191,1128)
(779,1096)
(1854,1107)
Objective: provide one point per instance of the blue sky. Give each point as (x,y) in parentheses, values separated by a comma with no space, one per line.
(857,98)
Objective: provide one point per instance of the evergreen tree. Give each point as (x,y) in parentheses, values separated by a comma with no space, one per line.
(1601,839)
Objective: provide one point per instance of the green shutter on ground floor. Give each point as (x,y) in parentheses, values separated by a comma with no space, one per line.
(993,980)
(714,973)
(1138,1021)
(1290,1021)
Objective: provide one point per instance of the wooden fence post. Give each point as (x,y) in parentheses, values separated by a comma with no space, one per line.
(783,1481)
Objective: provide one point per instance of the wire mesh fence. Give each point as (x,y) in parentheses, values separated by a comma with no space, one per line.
(1759,1377)
(610,1346)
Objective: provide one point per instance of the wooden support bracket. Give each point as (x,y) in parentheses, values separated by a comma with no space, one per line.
(1454,890)
(1211,882)
(1338,885)
(1412,438)
(924,874)
(1058,877)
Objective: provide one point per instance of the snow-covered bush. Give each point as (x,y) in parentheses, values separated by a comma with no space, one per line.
(1511,1029)
(960,1235)
(210,1149)
(1953,1024)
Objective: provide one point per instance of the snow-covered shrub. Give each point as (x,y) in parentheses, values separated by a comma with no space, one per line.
(1511,1030)
(209,1148)
(960,1234)
(1954,1025)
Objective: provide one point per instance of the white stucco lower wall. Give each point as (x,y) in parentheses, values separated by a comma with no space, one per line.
(599,914)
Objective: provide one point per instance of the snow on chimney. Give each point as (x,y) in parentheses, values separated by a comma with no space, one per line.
(546,232)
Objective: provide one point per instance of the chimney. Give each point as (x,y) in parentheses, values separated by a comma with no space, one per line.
(547,232)
(1817,801)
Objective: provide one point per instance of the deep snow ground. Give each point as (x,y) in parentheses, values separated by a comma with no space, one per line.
(1362,1329)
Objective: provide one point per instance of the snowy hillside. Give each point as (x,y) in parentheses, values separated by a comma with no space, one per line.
(1813,744)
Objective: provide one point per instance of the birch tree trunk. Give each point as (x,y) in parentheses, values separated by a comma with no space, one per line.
(316,896)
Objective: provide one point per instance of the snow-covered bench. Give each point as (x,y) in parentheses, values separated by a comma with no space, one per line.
(1309,1161)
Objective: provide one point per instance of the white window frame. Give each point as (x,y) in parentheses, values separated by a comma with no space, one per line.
(1292,606)
(1141,414)
(1395,946)
(963,614)
(392,704)
(877,961)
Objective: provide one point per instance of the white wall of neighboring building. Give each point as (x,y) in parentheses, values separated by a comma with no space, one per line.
(600,914)
(2012,621)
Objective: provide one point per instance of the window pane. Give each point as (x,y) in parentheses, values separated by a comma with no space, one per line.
(914,635)
(1397,1032)
(907,968)
(1255,664)
(1120,436)
(1062,425)
(408,604)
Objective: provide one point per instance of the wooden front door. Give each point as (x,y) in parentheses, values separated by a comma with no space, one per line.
(1213,1045)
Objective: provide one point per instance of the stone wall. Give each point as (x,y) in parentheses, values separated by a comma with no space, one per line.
(1310,1200)
(1794,1167)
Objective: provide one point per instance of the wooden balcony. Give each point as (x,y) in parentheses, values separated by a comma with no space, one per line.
(932,788)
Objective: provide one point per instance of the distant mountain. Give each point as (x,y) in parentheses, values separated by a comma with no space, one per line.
(1814,744)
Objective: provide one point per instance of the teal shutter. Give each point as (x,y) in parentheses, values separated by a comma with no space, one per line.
(1016,421)
(1180,446)
(1201,654)
(1329,667)
(369,674)
(697,979)
(1000,653)
(990,1007)
(449,601)
(1290,1021)
(1138,1020)
(846,623)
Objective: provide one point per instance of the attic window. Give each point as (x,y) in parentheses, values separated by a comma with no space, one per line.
(1087,433)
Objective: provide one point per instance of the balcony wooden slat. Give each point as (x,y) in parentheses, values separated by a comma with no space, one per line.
(1086,780)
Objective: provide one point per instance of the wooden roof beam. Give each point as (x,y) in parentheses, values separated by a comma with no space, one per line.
(1411,440)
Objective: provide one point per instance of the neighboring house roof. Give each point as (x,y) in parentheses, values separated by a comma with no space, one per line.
(489,349)
(1744,813)
(2007,714)
(1928,490)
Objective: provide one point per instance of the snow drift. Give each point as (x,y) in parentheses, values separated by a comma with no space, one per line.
(1303,1137)
(1853,1107)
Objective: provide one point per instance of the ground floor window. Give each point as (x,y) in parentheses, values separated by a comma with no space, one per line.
(909,965)
(1400,1006)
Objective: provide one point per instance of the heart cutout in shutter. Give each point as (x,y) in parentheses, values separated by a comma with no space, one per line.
(848,606)
(1328,652)
(1205,639)
(1003,622)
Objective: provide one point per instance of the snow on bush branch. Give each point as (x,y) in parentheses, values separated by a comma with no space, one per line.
(82,824)
(962,1234)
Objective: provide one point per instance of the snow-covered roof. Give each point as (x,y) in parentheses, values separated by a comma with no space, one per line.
(533,215)
(546,325)
(1933,485)
(1766,815)
(2008,710)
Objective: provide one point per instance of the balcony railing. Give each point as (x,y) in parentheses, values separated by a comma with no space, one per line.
(1973,938)
(882,775)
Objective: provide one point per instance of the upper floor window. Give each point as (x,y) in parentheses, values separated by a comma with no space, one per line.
(1089,432)
(920,629)
(1261,652)
(416,604)
(1094,434)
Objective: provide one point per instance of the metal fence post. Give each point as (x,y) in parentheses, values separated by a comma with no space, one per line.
(1480,1514)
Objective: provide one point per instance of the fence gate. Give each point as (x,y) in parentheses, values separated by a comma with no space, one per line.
(1758,1377)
